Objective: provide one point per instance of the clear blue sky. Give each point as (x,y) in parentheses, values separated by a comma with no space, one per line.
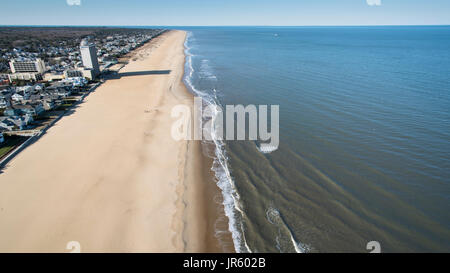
(224,12)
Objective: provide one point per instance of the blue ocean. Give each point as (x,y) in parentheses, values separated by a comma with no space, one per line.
(364,150)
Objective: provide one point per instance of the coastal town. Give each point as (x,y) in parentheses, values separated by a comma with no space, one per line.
(41,80)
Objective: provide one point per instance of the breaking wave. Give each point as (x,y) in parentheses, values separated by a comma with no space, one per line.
(224,181)
(285,241)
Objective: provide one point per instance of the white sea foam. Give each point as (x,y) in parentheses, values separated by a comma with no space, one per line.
(206,71)
(299,247)
(274,217)
(224,180)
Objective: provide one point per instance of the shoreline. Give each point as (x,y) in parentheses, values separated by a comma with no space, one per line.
(202,199)
(109,175)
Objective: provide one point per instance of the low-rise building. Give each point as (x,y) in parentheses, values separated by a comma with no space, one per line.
(73,73)
(26,69)
(27,66)
(23,110)
(7,124)
(53,76)
(25,77)
(18,97)
(15,122)
(48,104)
(4,103)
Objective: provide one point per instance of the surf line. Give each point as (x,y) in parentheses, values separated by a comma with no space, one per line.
(215,119)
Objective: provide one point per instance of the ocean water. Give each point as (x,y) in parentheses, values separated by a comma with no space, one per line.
(364,149)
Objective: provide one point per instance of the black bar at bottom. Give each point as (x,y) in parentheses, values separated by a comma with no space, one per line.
(219,262)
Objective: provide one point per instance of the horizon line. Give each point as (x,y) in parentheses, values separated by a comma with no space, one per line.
(386,25)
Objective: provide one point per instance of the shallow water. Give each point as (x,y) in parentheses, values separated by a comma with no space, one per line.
(364,135)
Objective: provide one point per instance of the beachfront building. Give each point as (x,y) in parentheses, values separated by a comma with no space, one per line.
(89,57)
(89,74)
(73,73)
(24,110)
(25,77)
(27,66)
(81,72)
(76,82)
(49,77)
(26,69)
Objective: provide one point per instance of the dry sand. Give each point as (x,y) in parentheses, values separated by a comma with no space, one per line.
(109,175)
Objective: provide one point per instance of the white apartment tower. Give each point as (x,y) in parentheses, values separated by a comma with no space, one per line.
(89,57)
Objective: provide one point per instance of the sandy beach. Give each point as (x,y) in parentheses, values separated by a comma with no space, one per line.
(109,175)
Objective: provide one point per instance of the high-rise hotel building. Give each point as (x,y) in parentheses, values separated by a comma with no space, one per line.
(89,57)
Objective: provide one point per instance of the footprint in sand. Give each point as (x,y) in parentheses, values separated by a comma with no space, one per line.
(151,110)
